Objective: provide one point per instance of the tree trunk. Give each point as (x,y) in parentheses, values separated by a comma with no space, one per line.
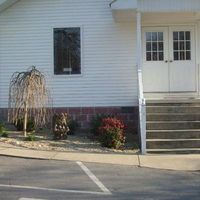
(25,119)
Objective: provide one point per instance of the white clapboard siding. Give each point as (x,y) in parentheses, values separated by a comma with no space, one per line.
(109,75)
(168,5)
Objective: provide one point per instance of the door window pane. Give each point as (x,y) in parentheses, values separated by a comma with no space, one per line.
(148,46)
(160,46)
(181,35)
(155,56)
(188,55)
(182,45)
(161,56)
(148,36)
(175,45)
(176,55)
(148,55)
(160,36)
(154,36)
(154,46)
(187,33)
(175,35)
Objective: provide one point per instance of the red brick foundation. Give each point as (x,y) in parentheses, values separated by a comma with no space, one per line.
(129,115)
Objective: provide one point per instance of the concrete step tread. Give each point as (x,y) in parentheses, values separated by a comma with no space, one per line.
(172,140)
(174,149)
(171,122)
(172,106)
(176,131)
(179,114)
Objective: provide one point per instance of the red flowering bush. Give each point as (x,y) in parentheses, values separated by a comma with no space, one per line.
(112,133)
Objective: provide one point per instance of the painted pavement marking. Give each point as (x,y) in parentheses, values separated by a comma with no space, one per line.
(94,178)
(51,189)
(30,199)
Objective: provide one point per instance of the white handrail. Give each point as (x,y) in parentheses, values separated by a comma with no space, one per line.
(142,113)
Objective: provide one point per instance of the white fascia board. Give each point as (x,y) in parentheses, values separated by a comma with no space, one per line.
(6,3)
(124,5)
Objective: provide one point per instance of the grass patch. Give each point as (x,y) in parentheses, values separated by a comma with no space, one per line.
(30,138)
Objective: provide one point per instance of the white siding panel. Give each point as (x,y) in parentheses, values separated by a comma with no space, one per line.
(109,75)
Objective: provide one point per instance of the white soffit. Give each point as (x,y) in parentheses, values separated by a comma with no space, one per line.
(124,5)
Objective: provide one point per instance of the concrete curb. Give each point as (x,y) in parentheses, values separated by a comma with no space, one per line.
(168,162)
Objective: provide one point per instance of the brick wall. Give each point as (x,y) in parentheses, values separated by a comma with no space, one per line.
(129,115)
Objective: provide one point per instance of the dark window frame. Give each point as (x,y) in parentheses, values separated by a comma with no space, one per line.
(68,74)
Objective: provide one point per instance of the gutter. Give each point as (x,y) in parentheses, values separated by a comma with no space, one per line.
(112,2)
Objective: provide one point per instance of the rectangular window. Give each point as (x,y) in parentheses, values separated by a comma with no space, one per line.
(182,45)
(154,46)
(67,51)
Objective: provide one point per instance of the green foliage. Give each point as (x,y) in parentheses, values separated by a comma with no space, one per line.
(112,133)
(30,137)
(2,128)
(4,134)
(30,125)
(73,125)
(96,123)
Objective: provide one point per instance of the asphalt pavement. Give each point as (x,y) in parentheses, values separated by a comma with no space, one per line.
(33,179)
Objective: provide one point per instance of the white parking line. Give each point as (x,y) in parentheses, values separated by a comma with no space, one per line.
(94,178)
(30,199)
(53,190)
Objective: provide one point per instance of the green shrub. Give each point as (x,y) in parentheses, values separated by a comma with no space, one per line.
(96,123)
(73,125)
(112,133)
(30,137)
(2,128)
(4,134)
(30,125)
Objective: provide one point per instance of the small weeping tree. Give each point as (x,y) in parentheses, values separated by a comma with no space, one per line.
(29,98)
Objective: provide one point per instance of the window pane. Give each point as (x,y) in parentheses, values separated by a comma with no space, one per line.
(148,36)
(181,35)
(155,56)
(175,45)
(154,36)
(182,55)
(175,35)
(161,56)
(188,55)
(160,46)
(188,47)
(148,55)
(67,47)
(176,56)
(160,36)
(187,33)
(148,46)
(155,44)
(182,45)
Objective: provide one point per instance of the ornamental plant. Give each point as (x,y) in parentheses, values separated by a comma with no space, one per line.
(112,133)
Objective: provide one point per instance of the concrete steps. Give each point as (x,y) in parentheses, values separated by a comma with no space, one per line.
(173,127)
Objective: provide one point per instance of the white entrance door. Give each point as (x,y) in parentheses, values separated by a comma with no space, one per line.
(169,59)
(155,65)
(182,65)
